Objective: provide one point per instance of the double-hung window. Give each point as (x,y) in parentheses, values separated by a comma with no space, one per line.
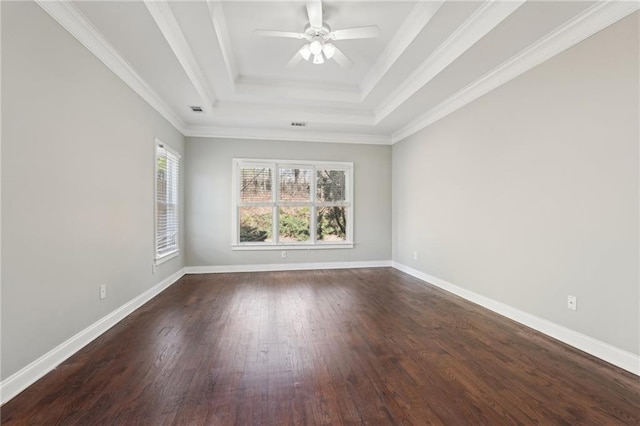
(167,202)
(293,204)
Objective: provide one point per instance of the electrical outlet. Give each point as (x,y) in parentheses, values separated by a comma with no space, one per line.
(103,291)
(415,255)
(572,302)
(283,254)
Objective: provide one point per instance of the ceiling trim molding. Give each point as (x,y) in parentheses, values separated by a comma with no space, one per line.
(592,20)
(484,19)
(227,112)
(72,20)
(219,22)
(296,90)
(415,22)
(163,16)
(286,135)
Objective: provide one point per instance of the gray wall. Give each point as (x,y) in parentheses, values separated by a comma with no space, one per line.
(525,196)
(208,200)
(77,187)
(531,192)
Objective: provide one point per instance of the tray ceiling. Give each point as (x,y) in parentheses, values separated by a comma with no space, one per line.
(430,59)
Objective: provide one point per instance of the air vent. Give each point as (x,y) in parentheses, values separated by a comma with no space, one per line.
(196,108)
(298,124)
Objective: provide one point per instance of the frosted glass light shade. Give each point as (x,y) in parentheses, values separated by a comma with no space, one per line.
(315,47)
(328,50)
(318,59)
(305,51)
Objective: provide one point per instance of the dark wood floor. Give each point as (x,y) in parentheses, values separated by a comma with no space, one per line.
(365,346)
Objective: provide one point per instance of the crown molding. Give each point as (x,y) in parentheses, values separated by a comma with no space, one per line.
(415,22)
(483,20)
(597,17)
(227,112)
(72,20)
(163,16)
(219,21)
(297,90)
(592,20)
(286,135)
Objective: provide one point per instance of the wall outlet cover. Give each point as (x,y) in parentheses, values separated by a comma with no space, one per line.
(572,302)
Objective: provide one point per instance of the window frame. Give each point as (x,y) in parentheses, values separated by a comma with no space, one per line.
(275,204)
(174,251)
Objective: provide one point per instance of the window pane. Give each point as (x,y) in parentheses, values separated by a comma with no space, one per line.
(256,184)
(332,224)
(295,184)
(256,224)
(294,224)
(331,185)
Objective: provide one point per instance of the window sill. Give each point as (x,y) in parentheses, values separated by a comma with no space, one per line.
(248,247)
(166,257)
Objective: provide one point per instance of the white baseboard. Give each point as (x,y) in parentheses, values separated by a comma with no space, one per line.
(24,378)
(285,267)
(604,351)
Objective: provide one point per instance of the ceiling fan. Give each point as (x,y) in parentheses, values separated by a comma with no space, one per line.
(319,36)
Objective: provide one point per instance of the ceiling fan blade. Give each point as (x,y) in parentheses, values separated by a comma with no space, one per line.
(297,58)
(314,10)
(371,31)
(286,34)
(341,59)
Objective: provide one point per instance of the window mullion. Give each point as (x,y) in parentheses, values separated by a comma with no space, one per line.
(276,206)
(312,208)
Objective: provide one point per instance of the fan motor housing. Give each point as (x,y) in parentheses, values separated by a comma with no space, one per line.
(311,33)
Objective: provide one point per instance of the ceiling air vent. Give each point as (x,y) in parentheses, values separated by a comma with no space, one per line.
(298,124)
(196,108)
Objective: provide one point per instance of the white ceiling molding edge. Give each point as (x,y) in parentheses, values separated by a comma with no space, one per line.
(417,20)
(597,17)
(286,135)
(483,20)
(72,20)
(163,16)
(220,26)
(225,113)
(594,19)
(296,90)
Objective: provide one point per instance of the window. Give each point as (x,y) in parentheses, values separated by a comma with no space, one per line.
(167,205)
(293,204)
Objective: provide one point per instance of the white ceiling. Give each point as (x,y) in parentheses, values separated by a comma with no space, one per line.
(430,59)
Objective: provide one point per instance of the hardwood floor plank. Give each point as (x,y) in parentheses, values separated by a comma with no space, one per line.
(361,346)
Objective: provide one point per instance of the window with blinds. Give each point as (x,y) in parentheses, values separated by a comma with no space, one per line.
(167,202)
(298,204)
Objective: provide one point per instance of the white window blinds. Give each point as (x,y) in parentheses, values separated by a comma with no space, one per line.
(167,201)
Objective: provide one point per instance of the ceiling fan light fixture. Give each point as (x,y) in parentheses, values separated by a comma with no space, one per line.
(318,59)
(315,47)
(328,49)
(319,36)
(305,51)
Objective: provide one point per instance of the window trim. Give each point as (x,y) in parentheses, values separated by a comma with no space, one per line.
(312,244)
(162,258)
